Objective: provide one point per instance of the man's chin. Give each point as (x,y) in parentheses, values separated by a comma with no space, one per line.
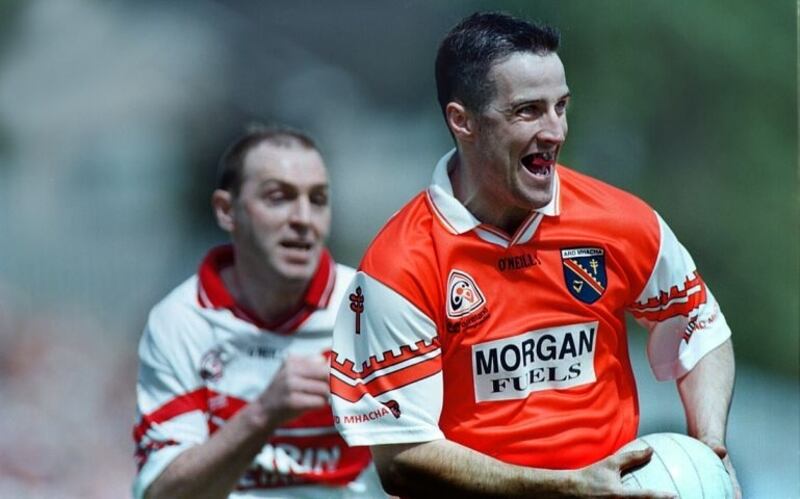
(536,196)
(538,200)
(300,271)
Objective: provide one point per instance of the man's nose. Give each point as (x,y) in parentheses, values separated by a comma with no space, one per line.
(554,129)
(301,212)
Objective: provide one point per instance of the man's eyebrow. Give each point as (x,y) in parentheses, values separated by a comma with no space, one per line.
(522,101)
(271,180)
(283,184)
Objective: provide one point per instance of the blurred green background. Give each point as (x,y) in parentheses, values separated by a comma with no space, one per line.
(113,115)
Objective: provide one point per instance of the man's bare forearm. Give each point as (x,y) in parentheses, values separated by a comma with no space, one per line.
(211,470)
(706,393)
(442,468)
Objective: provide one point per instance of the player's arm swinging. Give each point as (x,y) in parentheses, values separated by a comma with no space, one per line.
(211,470)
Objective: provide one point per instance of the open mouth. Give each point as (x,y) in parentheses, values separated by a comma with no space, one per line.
(539,164)
(296,245)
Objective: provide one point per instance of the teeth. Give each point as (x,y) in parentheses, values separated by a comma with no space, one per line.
(294,244)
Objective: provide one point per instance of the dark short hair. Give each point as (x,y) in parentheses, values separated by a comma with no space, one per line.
(229,173)
(474,45)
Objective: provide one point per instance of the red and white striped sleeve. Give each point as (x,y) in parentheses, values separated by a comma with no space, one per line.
(386,380)
(679,311)
(171,398)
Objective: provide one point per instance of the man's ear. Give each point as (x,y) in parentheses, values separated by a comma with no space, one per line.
(460,121)
(222,203)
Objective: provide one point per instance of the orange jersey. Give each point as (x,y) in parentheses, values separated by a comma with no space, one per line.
(515,345)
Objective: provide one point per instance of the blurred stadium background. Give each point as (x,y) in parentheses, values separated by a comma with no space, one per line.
(113,115)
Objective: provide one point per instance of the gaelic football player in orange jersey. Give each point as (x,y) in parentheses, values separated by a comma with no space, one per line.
(484,350)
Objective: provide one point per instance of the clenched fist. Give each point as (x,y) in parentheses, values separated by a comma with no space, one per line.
(300,385)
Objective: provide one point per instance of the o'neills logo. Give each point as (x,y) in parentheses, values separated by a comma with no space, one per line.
(463,295)
(545,359)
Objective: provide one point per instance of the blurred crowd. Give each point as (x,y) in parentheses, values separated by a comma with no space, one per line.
(67,390)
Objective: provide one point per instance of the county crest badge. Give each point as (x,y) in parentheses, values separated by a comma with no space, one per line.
(585,272)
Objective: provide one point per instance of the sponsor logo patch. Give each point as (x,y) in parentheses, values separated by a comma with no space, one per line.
(365,417)
(212,364)
(545,359)
(585,272)
(393,406)
(283,463)
(697,323)
(463,295)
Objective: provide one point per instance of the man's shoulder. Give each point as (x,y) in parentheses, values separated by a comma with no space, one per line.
(584,195)
(405,242)
(178,312)
(344,274)
(175,328)
(604,213)
(577,180)
(403,256)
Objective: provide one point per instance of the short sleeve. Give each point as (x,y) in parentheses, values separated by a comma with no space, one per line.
(679,311)
(171,404)
(386,380)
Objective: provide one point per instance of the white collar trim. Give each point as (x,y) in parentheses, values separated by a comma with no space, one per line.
(458,219)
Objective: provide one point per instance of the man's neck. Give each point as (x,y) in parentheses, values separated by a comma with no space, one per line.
(486,208)
(271,297)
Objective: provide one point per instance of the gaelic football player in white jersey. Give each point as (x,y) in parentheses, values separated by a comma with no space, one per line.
(233,397)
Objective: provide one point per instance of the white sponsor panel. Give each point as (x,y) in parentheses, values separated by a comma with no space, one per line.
(552,358)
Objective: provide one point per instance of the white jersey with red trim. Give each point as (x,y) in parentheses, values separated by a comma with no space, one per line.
(202,358)
(515,345)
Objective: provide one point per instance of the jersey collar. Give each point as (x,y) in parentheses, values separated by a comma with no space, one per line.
(212,293)
(458,219)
